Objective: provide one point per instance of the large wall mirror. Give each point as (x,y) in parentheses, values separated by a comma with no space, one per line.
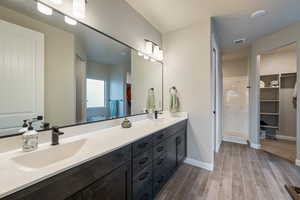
(69,74)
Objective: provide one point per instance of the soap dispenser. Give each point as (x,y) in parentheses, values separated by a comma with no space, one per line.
(24,127)
(30,139)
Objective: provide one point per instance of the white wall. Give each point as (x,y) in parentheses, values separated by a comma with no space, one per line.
(145,75)
(59,68)
(235,67)
(279,62)
(187,66)
(117,19)
(281,38)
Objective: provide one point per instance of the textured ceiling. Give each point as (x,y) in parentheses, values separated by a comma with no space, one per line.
(232,16)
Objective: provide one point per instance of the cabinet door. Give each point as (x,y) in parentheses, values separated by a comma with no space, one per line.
(171,156)
(114,186)
(180,147)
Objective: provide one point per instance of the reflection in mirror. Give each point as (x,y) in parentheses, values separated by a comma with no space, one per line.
(68,74)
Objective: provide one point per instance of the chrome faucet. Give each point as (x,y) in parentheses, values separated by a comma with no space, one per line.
(55,135)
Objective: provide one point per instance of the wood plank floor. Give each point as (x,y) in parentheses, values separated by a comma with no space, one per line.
(241,173)
(281,148)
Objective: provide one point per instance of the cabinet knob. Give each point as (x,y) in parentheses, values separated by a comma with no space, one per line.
(160,161)
(142,145)
(143,161)
(143,176)
(160,149)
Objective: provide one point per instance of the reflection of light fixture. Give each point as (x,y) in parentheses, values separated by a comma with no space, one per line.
(148,47)
(79,8)
(146,57)
(44,9)
(152,60)
(70,21)
(56,1)
(140,53)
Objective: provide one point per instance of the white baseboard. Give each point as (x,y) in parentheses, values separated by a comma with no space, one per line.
(234,139)
(255,146)
(197,163)
(297,162)
(283,137)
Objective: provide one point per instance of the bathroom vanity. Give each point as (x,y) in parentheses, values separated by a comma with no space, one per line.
(113,164)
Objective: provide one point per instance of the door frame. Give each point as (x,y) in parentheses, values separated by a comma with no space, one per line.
(254,105)
(217,92)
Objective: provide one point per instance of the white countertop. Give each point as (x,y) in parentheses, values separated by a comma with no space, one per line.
(14,176)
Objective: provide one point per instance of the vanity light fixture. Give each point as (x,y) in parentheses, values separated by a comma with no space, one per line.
(57,1)
(156,51)
(148,47)
(79,8)
(153,50)
(70,21)
(140,54)
(44,9)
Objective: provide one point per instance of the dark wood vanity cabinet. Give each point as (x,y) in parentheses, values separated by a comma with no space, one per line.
(137,171)
(114,186)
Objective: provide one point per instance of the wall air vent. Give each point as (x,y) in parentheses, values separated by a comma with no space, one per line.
(239,41)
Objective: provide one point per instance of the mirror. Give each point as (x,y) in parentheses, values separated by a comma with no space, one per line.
(69,74)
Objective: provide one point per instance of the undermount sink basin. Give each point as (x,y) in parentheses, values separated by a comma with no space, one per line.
(44,158)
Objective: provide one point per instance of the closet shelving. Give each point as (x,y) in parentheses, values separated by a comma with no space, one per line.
(270,101)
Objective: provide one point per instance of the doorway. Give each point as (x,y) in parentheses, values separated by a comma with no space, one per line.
(235,66)
(278,77)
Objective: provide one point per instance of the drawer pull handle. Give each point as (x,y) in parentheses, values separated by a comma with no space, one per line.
(160,149)
(160,161)
(143,176)
(142,145)
(143,161)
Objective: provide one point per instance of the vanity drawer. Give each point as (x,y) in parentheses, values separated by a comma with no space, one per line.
(66,184)
(181,126)
(143,180)
(142,145)
(140,162)
(160,136)
(180,147)
(160,162)
(159,149)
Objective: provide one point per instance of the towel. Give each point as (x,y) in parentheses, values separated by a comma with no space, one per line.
(151,100)
(174,102)
(114,108)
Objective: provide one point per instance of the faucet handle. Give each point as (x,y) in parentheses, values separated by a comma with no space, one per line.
(55,129)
